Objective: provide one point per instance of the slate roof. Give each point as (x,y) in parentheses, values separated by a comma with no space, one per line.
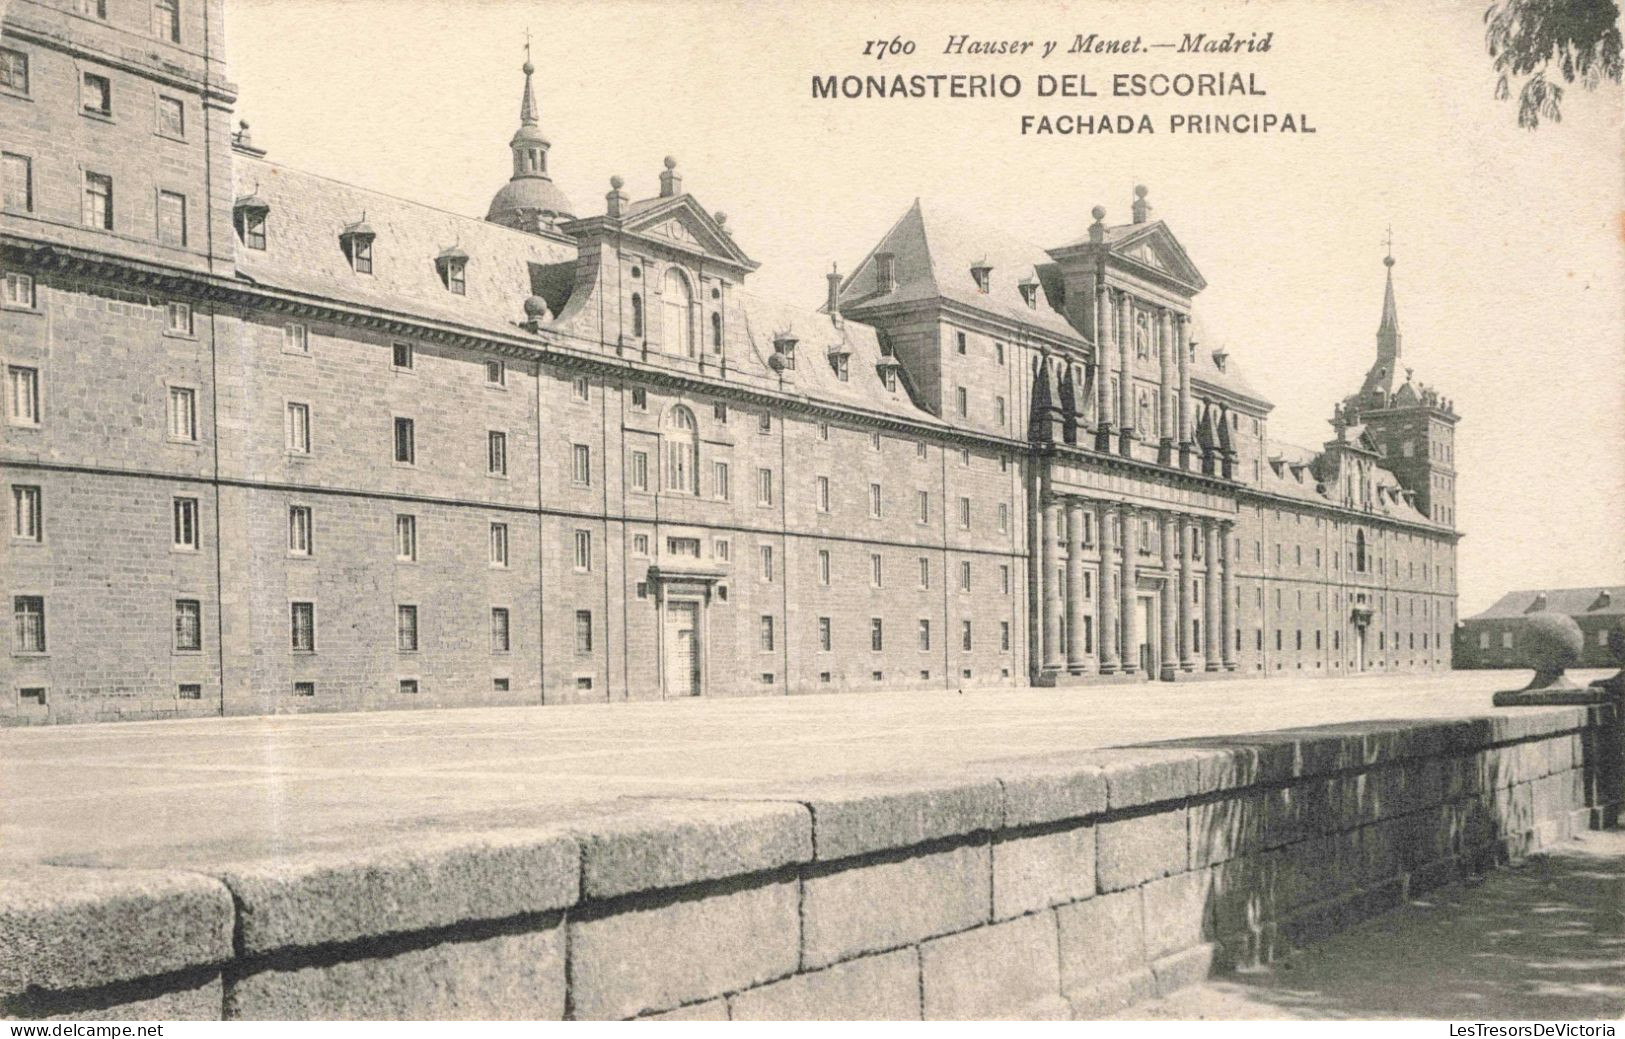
(935,250)
(303,253)
(1593,601)
(1297,480)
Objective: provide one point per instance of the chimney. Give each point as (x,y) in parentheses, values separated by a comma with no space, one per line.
(1097,230)
(1142,208)
(615,199)
(885,272)
(833,303)
(671,182)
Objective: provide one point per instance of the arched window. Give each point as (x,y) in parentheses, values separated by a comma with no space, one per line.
(675,320)
(682,452)
(637,316)
(1359,551)
(716,332)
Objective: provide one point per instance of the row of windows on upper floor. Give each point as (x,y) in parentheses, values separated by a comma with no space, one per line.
(96,95)
(162,17)
(1507,639)
(97,208)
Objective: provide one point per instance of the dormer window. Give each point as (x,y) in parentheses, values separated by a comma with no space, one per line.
(982,271)
(885,272)
(357,242)
(452,263)
(784,345)
(249,214)
(1029,293)
(838,360)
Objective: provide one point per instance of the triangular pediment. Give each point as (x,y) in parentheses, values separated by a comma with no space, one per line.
(681,223)
(1154,247)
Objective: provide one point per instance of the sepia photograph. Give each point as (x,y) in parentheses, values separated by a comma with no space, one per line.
(707,510)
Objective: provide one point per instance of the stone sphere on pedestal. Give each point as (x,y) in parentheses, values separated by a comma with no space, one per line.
(1552,643)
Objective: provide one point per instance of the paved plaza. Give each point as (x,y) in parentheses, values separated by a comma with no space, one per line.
(211,790)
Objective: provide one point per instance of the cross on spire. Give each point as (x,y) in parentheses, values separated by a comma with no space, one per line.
(1388,246)
(527,44)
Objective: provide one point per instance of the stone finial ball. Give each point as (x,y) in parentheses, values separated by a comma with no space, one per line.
(1552,642)
(722,218)
(671,163)
(535,307)
(616,182)
(1099,212)
(776,362)
(1140,191)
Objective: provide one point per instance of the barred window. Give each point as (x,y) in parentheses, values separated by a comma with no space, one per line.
(499,629)
(28,614)
(188,625)
(406,628)
(303,624)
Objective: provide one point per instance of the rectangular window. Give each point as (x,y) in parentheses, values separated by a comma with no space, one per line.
(686,548)
(874,440)
(406,538)
(166,20)
(403,356)
(1004,517)
(877,635)
(304,689)
(720,482)
(767,562)
(826,638)
(182,413)
(998,411)
(719,411)
(581,465)
(877,574)
(19,290)
(298,428)
(499,629)
(499,544)
(583,632)
(722,549)
(27,516)
(28,615)
(496,453)
(961,401)
(496,373)
(764,423)
(407,686)
(925,505)
(189,691)
(823,566)
(874,500)
(97,210)
(13,70)
(171,218)
(925,635)
(406,629)
(959,342)
(300,540)
(180,318)
(96,94)
(185,513)
(822,484)
(640,471)
(254,230)
(302,622)
(361,254)
(640,399)
(583,550)
(17,182)
(1004,579)
(296,338)
(964,576)
(580,388)
(964,636)
(188,626)
(406,442)
(767,634)
(964,513)
(171,117)
(764,487)
(925,573)
(1004,636)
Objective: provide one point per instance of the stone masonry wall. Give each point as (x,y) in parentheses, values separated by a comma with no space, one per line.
(1066,886)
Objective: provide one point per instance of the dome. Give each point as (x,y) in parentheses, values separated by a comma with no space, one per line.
(532,195)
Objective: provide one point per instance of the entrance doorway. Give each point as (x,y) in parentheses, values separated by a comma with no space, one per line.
(682,663)
(1359,648)
(1149,637)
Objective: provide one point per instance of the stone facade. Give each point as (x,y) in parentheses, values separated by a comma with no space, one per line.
(275,443)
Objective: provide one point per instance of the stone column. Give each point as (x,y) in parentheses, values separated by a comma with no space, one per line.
(1210,599)
(1128,604)
(1186,545)
(1103,369)
(1074,586)
(1035,572)
(1125,380)
(1170,595)
(1186,420)
(1166,405)
(1106,642)
(1049,532)
(1227,602)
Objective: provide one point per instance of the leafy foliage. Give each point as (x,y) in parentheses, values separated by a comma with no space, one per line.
(1528,37)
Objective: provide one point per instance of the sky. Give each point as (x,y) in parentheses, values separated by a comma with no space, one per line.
(1510,267)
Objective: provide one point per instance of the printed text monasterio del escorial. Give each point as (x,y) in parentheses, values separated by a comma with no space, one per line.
(1007,86)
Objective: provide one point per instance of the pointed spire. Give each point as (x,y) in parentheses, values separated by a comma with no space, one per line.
(1390,313)
(527,105)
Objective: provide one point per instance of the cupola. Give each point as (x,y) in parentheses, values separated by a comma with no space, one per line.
(530,201)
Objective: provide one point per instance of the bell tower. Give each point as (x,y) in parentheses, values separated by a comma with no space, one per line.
(1413,426)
